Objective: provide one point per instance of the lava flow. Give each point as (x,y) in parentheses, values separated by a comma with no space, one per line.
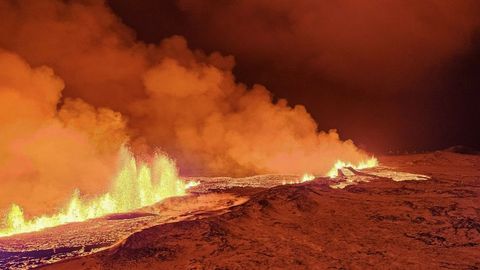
(136,185)
(370,163)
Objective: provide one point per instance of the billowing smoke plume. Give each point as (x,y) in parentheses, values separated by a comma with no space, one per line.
(45,152)
(75,85)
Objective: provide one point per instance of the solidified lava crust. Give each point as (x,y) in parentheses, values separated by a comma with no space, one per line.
(372,223)
(379,224)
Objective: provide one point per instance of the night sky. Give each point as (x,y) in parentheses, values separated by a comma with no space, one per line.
(360,82)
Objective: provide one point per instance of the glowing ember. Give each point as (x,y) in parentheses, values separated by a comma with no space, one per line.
(307,177)
(370,163)
(135,186)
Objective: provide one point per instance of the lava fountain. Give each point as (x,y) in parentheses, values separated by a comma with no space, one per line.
(137,184)
(369,163)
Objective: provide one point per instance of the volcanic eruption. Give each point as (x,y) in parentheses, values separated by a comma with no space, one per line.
(70,105)
(105,136)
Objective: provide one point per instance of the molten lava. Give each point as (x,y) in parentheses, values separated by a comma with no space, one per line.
(136,185)
(370,163)
(307,177)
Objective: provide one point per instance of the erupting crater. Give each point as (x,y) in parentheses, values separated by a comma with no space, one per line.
(148,195)
(136,185)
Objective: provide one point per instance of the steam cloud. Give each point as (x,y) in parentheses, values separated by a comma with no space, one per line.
(75,85)
(45,152)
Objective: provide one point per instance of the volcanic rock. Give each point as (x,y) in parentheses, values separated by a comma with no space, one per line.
(379,224)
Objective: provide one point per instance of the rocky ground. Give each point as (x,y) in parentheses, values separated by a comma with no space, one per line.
(212,197)
(380,224)
(362,221)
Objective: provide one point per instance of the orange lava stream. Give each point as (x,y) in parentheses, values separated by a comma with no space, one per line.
(136,185)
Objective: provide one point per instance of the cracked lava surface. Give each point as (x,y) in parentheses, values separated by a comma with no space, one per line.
(357,221)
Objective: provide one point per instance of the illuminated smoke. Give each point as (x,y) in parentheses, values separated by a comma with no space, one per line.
(75,86)
(41,154)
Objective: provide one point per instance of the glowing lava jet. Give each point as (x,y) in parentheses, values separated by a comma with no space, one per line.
(370,163)
(333,172)
(136,185)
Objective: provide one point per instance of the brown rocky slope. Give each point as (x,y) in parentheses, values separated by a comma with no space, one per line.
(382,224)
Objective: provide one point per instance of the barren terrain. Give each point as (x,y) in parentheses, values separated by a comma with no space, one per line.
(428,218)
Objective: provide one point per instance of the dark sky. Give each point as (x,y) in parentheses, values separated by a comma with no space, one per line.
(398,82)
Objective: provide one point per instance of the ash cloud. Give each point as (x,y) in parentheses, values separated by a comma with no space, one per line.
(45,153)
(75,85)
